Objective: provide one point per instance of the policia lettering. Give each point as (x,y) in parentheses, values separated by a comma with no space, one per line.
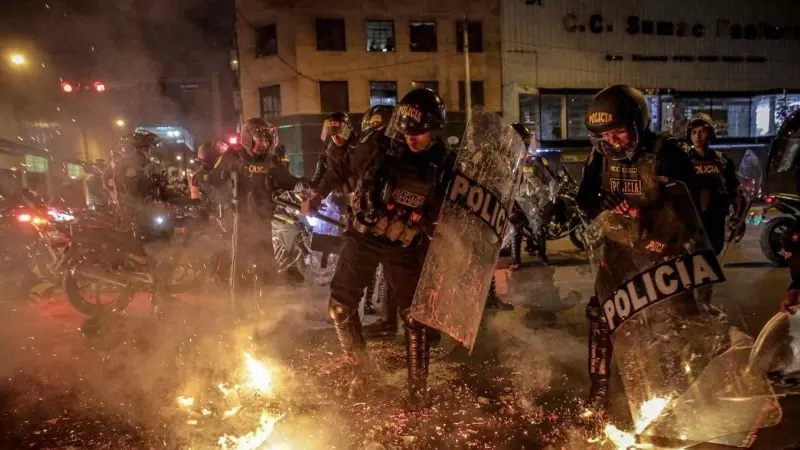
(676,276)
(478,200)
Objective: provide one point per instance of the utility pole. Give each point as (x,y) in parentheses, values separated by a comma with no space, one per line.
(467,83)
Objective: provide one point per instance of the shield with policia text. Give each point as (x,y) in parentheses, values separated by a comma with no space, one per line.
(459,266)
(683,363)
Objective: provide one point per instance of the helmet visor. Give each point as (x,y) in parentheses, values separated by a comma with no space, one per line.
(617,143)
(333,127)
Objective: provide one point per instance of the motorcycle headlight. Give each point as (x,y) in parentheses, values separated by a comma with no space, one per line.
(160,220)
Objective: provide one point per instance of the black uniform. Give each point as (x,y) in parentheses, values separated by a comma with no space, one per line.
(137,186)
(391,231)
(656,159)
(259,176)
(717,187)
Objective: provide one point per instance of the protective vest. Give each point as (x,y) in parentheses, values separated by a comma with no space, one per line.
(709,173)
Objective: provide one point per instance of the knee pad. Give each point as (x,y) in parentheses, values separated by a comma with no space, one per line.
(339,311)
(411,323)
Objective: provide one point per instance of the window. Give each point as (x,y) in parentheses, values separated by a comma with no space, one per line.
(654,104)
(476,88)
(551,107)
(762,121)
(432,85)
(74,171)
(330,35)
(731,116)
(270,101)
(35,164)
(382,93)
(334,96)
(380,35)
(422,36)
(529,111)
(577,105)
(267,40)
(474,36)
(677,111)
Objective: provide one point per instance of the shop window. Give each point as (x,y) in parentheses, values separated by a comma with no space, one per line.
(331,35)
(270,101)
(474,36)
(529,111)
(74,171)
(677,111)
(654,104)
(577,105)
(476,94)
(731,116)
(380,35)
(267,40)
(551,107)
(35,164)
(382,93)
(762,119)
(334,96)
(422,36)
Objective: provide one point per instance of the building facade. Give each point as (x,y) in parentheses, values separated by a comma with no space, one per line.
(737,61)
(302,60)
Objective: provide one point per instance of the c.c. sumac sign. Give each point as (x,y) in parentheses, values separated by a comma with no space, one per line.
(722,28)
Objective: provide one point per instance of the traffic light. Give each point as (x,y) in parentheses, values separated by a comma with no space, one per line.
(67,87)
(99,86)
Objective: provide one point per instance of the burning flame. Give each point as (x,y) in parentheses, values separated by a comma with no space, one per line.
(254,439)
(648,413)
(260,376)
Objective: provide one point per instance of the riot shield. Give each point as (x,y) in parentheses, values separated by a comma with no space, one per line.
(777,348)
(458,269)
(750,176)
(681,363)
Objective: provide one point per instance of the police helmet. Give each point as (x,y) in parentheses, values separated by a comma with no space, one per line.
(140,139)
(257,129)
(701,120)
(376,118)
(420,111)
(617,106)
(337,124)
(207,153)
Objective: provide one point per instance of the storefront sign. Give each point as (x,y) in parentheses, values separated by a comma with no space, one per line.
(722,28)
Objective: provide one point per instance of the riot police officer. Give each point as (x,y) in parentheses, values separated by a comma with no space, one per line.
(338,134)
(717,183)
(200,185)
(397,200)
(136,179)
(256,174)
(625,166)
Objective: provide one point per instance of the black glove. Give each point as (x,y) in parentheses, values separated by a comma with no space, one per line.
(611,199)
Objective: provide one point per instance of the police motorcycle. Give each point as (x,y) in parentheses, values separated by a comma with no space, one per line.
(306,245)
(684,365)
(780,188)
(567,219)
(106,264)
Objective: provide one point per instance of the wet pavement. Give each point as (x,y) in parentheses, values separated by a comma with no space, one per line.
(72,383)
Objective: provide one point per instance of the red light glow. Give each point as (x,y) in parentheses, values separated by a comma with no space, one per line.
(233,140)
(24,218)
(66,87)
(99,87)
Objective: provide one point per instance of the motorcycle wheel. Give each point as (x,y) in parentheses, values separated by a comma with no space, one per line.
(576,237)
(770,239)
(93,299)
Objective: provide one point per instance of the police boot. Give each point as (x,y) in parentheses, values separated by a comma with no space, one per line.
(600,351)
(493,301)
(348,330)
(418,352)
(516,250)
(385,327)
(541,250)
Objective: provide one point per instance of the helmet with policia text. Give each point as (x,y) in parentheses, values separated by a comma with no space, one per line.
(701,120)
(615,110)
(377,117)
(258,130)
(420,111)
(337,124)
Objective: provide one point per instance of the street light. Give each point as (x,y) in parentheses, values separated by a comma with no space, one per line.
(17,59)
(120,123)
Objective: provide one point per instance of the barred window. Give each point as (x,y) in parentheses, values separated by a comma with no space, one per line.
(380,35)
